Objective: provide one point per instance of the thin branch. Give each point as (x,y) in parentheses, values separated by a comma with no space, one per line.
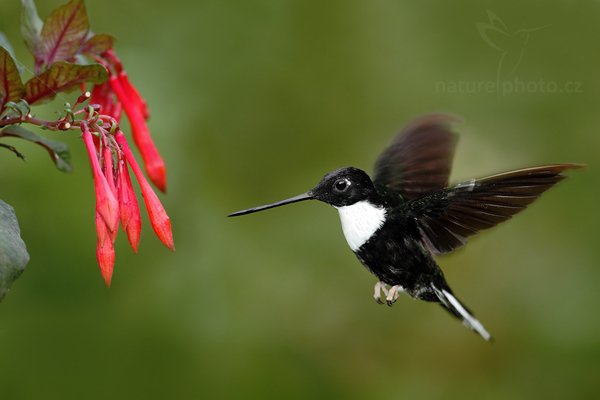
(14,150)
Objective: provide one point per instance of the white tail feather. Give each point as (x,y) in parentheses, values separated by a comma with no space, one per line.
(469,320)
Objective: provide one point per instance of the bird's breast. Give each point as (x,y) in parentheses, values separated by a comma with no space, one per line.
(360,221)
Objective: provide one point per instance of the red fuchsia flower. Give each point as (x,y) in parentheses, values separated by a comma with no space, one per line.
(107,167)
(158,217)
(108,170)
(106,201)
(131,220)
(109,155)
(134,108)
(105,249)
(115,196)
(107,209)
(133,94)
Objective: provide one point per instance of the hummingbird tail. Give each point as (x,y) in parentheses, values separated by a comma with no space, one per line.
(457,309)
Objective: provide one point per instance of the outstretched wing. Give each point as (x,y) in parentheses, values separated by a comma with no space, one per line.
(447,218)
(419,159)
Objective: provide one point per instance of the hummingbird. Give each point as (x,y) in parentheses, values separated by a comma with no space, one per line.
(396,222)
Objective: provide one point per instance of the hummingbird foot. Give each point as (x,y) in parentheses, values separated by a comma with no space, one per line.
(393,294)
(379,287)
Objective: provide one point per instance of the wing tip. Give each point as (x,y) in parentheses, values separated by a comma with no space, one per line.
(433,119)
(573,165)
(560,166)
(554,169)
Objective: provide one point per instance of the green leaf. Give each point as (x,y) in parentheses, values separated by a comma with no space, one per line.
(62,77)
(11,87)
(63,33)
(98,44)
(31,25)
(58,151)
(13,253)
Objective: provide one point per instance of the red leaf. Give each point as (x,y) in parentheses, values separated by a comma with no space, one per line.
(63,33)
(62,77)
(97,44)
(11,87)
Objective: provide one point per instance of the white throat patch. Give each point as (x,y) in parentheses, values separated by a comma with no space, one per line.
(360,221)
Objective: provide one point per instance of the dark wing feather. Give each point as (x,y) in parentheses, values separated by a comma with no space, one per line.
(445,219)
(419,159)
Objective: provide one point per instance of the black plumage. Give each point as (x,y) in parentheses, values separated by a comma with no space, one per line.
(397,221)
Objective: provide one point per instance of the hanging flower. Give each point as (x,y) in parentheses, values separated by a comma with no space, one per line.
(130,211)
(105,249)
(121,94)
(115,197)
(158,217)
(153,162)
(68,54)
(107,210)
(110,156)
(133,94)
(106,202)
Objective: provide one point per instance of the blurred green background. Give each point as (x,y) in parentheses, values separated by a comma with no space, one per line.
(253,101)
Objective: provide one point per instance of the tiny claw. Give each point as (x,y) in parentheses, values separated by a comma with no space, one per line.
(393,294)
(378,288)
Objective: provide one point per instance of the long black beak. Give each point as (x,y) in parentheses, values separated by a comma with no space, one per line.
(295,199)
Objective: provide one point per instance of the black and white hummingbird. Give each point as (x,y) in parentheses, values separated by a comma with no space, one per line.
(396,222)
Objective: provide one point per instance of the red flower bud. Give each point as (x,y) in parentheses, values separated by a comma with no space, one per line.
(106,201)
(108,168)
(133,94)
(158,217)
(105,250)
(110,178)
(128,205)
(153,162)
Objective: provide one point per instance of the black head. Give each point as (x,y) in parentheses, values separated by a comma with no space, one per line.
(342,187)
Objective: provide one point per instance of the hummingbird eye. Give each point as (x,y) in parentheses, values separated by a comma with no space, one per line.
(341,185)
